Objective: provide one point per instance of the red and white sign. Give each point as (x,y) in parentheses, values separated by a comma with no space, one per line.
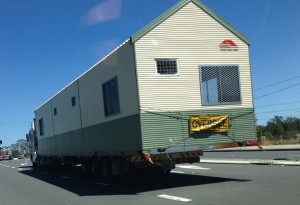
(228,45)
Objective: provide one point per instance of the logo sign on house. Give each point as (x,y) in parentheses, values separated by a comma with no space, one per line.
(228,45)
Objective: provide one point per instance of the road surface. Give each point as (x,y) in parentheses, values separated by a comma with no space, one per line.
(267,155)
(207,184)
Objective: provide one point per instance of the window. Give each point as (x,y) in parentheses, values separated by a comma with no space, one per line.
(55,111)
(111,97)
(73,101)
(166,66)
(220,85)
(41,126)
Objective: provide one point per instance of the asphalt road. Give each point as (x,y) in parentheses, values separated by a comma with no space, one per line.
(207,184)
(267,155)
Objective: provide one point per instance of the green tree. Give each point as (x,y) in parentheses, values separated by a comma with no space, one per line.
(20,148)
(260,131)
(15,154)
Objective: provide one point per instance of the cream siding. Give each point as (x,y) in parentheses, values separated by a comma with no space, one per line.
(121,64)
(193,37)
(87,89)
(83,128)
(66,113)
(45,114)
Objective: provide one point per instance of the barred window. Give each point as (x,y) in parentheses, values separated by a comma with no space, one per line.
(166,66)
(220,85)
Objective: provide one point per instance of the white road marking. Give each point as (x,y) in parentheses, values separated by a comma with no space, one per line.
(175,198)
(177,172)
(24,164)
(25,168)
(13,167)
(191,167)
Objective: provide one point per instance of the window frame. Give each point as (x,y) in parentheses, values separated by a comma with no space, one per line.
(220,103)
(111,107)
(167,59)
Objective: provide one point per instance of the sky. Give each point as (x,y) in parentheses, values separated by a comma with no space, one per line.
(44,45)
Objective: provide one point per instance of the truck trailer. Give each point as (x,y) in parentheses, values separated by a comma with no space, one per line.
(180,85)
(4,154)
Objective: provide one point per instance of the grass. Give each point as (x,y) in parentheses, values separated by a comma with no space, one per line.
(281,141)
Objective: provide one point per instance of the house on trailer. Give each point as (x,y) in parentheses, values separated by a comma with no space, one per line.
(181,83)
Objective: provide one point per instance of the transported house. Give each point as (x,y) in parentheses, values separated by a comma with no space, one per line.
(180,84)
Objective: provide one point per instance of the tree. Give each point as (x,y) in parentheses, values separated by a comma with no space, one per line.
(260,130)
(20,148)
(280,127)
(275,126)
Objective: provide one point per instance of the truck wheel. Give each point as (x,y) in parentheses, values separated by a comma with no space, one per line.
(106,169)
(166,171)
(39,162)
(86,168)
(95,168)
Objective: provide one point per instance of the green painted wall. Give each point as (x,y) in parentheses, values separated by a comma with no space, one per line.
(120,136)
(163,129)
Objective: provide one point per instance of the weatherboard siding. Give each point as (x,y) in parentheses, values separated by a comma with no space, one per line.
(193,37)
(119,64)
(171,129)
(116,137)
(84,128)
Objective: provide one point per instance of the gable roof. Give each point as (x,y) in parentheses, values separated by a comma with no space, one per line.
(177,7)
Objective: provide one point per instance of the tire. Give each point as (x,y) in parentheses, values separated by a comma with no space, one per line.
(86,168)
(95,168)
(166,172)
(106,169)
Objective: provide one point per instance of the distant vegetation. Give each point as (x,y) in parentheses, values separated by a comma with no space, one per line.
(20,148)
(280,130)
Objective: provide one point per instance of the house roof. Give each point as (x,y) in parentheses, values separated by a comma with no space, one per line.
(177,7)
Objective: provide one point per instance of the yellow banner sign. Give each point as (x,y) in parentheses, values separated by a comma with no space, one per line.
(215,123)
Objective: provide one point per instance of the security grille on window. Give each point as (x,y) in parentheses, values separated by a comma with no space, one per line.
(220,85)
(166,66)
(111,97)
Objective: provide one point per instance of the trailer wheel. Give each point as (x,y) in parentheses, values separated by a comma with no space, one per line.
(166,171)
(42,162)
(39,162)
(34,164)
(95,168)
(86,168)
(106,168)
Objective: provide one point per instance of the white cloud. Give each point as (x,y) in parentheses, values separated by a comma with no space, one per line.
(105,11)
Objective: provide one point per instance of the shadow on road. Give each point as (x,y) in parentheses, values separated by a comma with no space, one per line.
(72,180)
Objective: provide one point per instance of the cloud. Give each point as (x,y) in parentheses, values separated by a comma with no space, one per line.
(105,11)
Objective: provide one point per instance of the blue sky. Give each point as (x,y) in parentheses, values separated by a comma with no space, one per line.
(44,45)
